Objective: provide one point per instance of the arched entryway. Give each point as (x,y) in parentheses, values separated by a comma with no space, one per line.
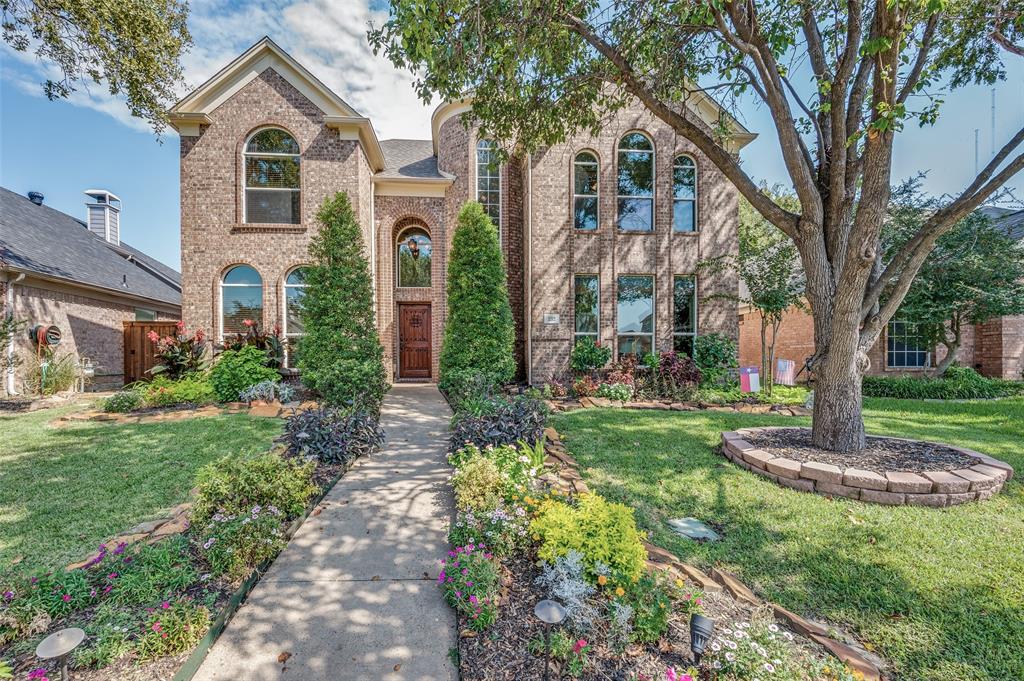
(413,266)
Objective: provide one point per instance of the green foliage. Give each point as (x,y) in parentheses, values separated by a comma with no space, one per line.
(621,392)
(50,373)
(651,602)
(479,334)
(958,383)
(340,356)
(731,394)
(478,484)
(715,353)
(190,389)
(588,355)
(332,435)
(269,343)
(470,581)
(123,401)
(502,530)
(233,485)
(5,670)
(180,353)
(517,465)
(155,573)
(173,629)
(236,370)
(572,652)
(134,46)
(235,545)
(500,421)
(9,327)
(105,644)
(602,531)
(471,392)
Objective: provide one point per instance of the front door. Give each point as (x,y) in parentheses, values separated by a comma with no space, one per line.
(413,341)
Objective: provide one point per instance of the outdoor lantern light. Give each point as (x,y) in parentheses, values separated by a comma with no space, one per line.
(59,645)
(701,629)
(548,612)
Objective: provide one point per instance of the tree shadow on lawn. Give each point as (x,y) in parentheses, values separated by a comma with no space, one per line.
(66,490)
(933,590)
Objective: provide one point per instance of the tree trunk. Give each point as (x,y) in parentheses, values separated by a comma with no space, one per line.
(837,424)
(951,348)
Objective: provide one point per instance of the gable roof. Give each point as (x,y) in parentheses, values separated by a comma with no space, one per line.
(44,241)
(410,159)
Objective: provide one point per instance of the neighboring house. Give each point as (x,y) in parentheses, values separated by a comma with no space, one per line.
(995,348)
(80,277)
(601,236)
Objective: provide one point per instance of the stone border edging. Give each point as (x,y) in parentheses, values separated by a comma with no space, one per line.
(565,478)
(894,488)
(262,409)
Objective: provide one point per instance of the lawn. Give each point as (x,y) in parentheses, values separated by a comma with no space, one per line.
(65,490)
(937,592)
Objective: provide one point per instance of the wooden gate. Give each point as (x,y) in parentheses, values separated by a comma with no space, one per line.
(138,349)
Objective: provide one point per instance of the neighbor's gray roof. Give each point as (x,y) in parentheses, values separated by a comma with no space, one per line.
(410,158)
(1013,223)
(46,241)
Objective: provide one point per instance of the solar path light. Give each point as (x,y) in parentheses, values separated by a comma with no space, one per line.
(550,613)
(59,646)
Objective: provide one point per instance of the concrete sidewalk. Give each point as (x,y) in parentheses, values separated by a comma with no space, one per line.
(353,595)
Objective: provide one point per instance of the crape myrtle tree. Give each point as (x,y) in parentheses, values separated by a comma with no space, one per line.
(541,70)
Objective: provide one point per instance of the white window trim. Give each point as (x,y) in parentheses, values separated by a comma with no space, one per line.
(398,245)
(597,190)
(654,182)
(576,335)
(245,181)
(476,182)
(696,194)
(904,367)
(220,296)
(654,312)
(696,310)
(284,312)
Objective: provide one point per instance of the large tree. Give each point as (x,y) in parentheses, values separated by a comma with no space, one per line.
(131,46)
(540,70)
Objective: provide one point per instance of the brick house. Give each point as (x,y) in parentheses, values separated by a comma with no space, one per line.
(601,236)
(995,348)
(77,275)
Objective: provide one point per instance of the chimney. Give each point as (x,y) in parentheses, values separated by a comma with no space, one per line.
(36,198)
(102,215)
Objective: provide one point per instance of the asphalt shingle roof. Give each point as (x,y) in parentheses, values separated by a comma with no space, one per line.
(410,158)
(46,241)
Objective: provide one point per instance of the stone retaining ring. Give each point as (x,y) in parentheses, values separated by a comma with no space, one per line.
(932,488)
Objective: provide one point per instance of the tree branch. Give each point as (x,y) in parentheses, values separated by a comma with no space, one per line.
(922,58)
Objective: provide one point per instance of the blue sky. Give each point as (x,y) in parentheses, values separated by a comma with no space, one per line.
(62,148)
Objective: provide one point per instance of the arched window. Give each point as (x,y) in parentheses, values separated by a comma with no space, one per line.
(684,195)
(585,183)
(488,181)
(636,183)
(413,258)
(272,192)
(241,299)
(294,290)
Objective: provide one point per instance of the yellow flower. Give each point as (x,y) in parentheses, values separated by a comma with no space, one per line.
(602,580)
(536,537)
(679,583)
(636,578)
(619,591)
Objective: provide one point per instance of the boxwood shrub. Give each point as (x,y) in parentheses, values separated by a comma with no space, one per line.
(959,383)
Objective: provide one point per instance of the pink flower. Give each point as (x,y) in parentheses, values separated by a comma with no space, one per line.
(580,645)
(153,336)
(39,674)
(66,598)
(248,322)
(156,626)
(165,605)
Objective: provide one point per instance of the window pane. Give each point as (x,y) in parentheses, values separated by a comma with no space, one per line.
(684,179)
(297,277)
(294,294)
(586,303)
(635,215)
(683,344)
(684,303)
(142,315)
(634,345)
(273,141)
(636,305)
(635,140)
(586,179)
(272,206)
(585,213)
(243,274)
(682,216)
(636,173)
(272,172)
(241,303)
(414,258)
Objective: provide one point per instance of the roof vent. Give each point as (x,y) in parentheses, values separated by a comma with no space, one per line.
(36,198)
(103,215)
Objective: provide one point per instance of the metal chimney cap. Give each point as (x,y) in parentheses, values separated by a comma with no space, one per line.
(36,198)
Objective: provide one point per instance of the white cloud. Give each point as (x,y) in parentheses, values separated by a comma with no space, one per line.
(328,38)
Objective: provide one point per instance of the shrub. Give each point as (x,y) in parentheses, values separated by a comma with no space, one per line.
(270,343)
(180,354)
(51,373)
(233,485)
(556,389)
(959,383)
(677,376)
(651,603)
(331,435)
(340,356)
(478,484)
(518,465)
(602,531)
(268,391)
(190,389)
(123,401)
(154,573)
(469,581)
(236,544)
(172,629)
(572,652)
(507,422)
(502,529)
(715,354)
(479,333)
(585,386)
(621,392)
(471,392)
(588,355)
(236,370)
(564,579)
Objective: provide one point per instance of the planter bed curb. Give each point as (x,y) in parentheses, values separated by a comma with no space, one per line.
(175,413)
(740,407)
(934,489)
(856,658)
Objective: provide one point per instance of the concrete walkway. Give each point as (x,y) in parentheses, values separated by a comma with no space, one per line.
(353,595)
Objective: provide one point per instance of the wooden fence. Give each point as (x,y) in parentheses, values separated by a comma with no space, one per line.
(138,349)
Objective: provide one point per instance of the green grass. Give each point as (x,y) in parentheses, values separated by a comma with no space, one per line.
(65,490)
(937,592)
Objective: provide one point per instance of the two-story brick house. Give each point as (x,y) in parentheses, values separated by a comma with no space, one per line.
(601,236)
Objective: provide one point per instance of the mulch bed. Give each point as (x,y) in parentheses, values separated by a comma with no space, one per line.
(881,454)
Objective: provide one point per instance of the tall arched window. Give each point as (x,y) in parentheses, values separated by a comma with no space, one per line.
(294,290)
(684,195)
(488,181)
(241,299)
(636,183)
(413,258)
(272,193)
(585,182)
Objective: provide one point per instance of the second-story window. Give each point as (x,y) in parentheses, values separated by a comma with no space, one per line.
(488,181)
(684,195)
(584,200)
(636,183)
(272,193)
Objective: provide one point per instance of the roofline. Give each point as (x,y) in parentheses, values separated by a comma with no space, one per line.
(410,179)
(442,113)
(86,285)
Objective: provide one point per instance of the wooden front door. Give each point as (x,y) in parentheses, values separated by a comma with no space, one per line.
(413,341)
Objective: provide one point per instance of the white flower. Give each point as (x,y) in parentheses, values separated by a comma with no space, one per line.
(716,664)
(768,667)
(744,625)
(773,628)
(524,459)
(789,636)
(730,657)
(730,644)
(715,646)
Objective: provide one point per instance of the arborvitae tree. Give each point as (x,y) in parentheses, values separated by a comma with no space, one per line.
(340,356)
(479,335)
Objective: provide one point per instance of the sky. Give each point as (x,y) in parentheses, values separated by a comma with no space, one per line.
(62,148)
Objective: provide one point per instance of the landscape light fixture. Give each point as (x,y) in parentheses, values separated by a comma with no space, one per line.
(550,613)
(59,646)
(701,629)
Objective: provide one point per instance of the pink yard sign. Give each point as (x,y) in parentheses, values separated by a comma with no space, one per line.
(750,380)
